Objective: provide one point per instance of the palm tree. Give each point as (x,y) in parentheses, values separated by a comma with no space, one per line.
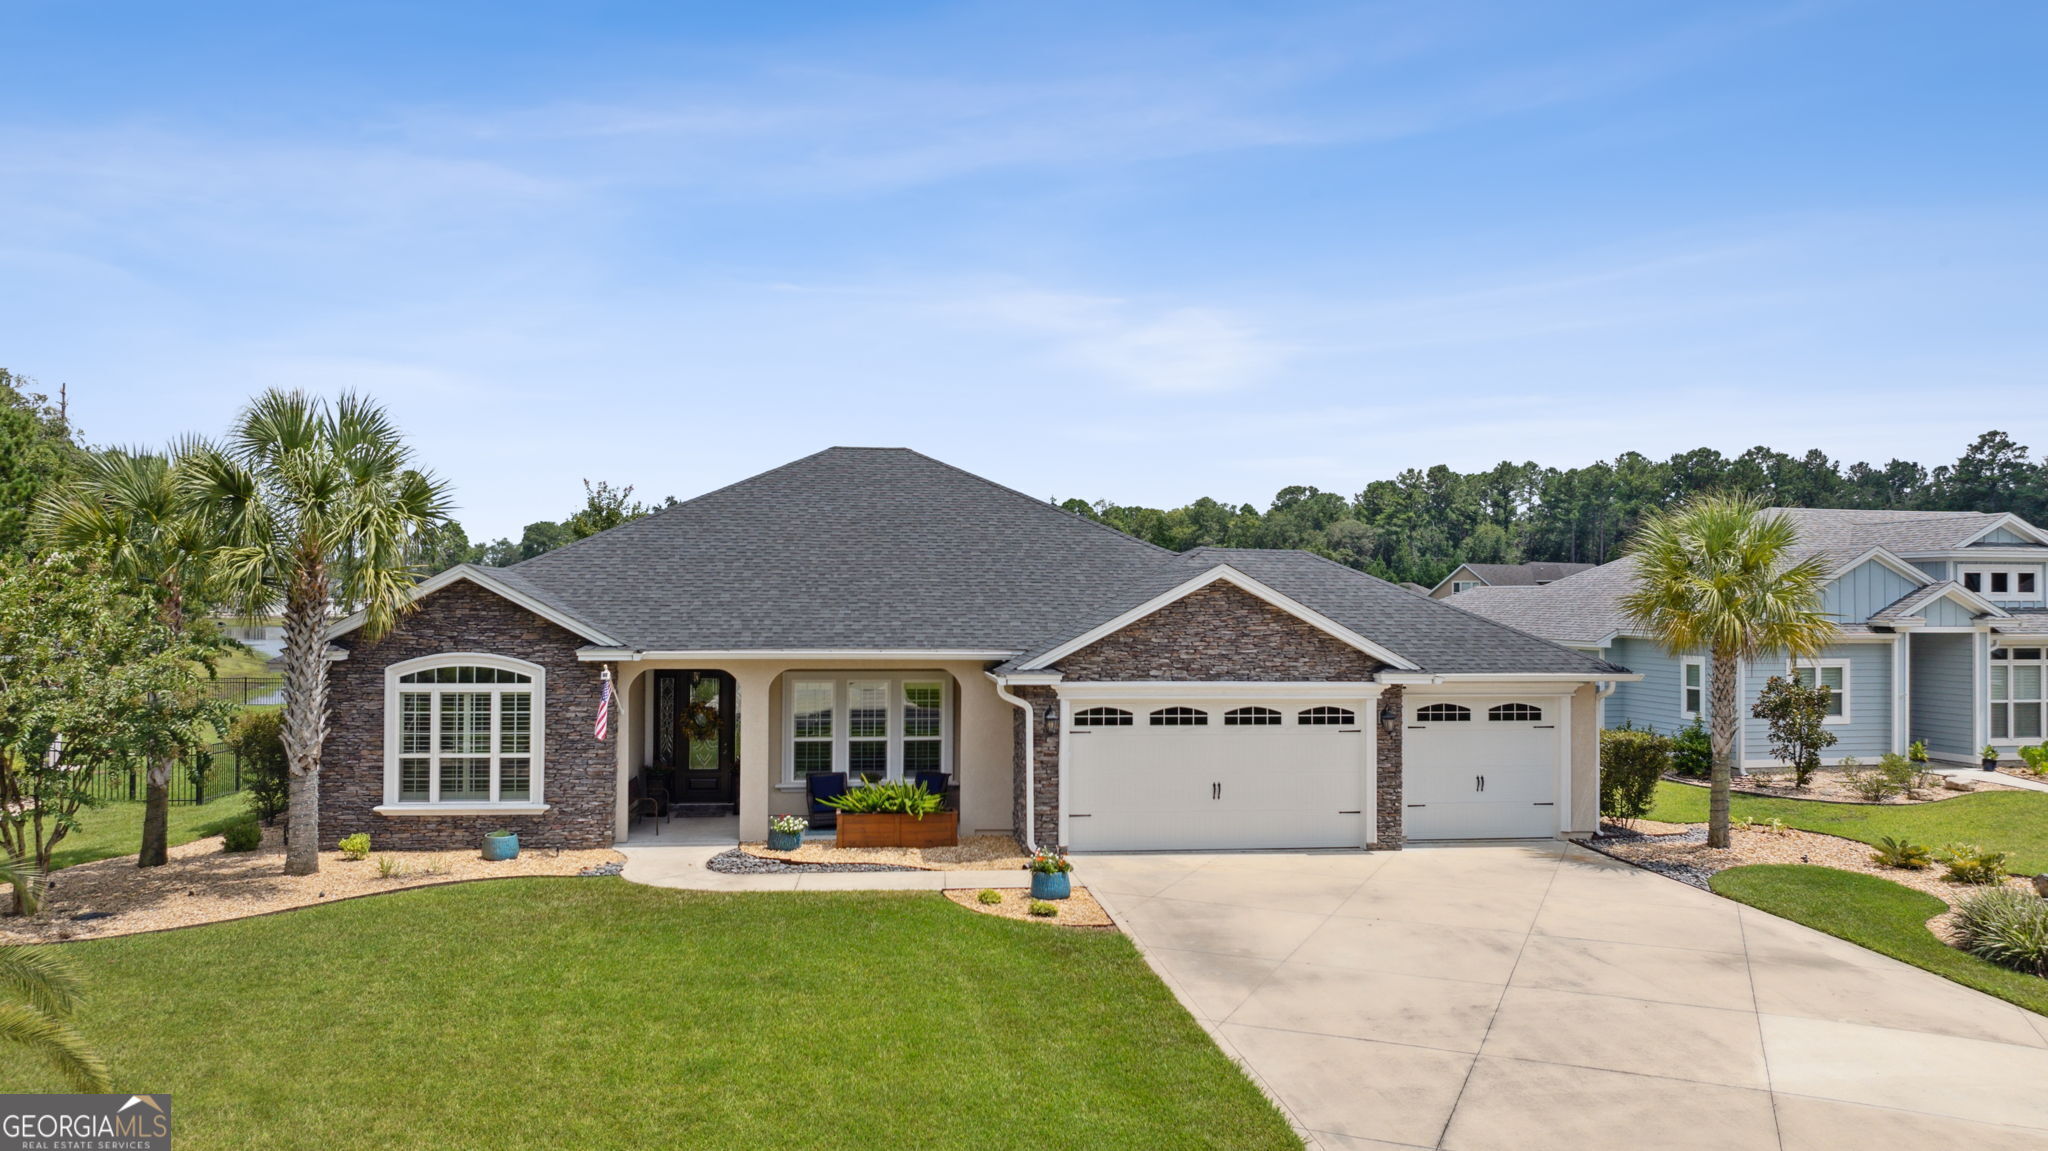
(1718,575)
(130,511)
(37,995)
(315,501)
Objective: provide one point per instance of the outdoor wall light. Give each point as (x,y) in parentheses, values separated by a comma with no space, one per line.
(1390,717)
(1052,716)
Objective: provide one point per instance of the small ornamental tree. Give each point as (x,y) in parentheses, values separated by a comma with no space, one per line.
(1631,763)
(258,738)
(1797,713)
(90,678)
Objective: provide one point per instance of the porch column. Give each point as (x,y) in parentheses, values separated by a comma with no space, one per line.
(757,745)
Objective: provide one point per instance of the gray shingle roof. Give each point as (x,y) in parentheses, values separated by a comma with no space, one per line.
(886,549)
(1908,606)
(1845,533)
(1524,575)
(1583,609)
(2024,621)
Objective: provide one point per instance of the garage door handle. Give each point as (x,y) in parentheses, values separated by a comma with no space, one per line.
(1545,726)
(1418,805)
(1078,814)
(1347,813)
(1546,803)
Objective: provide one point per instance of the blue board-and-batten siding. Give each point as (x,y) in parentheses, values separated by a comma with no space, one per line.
(1863,591)
(1944,678)
(1946,612)
(2003,536)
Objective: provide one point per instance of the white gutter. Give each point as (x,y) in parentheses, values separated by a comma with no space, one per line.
(1029,832)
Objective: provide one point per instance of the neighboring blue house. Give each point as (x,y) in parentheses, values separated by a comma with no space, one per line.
(1944,628)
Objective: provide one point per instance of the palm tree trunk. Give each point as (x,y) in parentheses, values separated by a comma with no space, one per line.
(1722,695)
(156,815)
(305,713)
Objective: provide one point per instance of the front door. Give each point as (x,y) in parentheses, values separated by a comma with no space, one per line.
(696,753)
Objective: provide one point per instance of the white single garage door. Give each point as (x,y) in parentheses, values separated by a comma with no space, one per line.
(1474,768)
(1164,775)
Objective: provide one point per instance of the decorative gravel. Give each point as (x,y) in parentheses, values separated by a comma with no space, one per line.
(972,853)
(737,862)
(604,869)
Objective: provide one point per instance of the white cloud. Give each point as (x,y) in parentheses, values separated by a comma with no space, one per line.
(1154,348)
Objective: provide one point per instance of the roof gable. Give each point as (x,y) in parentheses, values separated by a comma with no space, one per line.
(501,583)
(1222,573)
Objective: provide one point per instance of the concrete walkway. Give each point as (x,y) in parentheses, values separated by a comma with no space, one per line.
(1541,996)
(1999,777)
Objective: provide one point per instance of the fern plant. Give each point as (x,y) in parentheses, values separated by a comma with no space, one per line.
(1901,854)
(891,798)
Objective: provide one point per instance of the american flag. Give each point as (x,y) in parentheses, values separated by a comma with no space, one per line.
(604,707)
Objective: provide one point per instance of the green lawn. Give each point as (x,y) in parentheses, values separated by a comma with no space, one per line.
(594,1013)
(1875,913)
(2013,821)
(116,828)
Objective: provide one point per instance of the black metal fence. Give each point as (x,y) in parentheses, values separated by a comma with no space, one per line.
(223,776)
(247,690)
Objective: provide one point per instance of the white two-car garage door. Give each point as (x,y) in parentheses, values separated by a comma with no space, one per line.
(1475,768)
(1166,775)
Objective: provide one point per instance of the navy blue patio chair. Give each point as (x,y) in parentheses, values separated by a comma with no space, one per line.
(932,781)
(817,789)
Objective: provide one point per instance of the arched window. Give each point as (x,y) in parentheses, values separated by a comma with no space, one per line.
(1326,717)
(1251,717)
(463,729)
(1102,717)
(1444,713)
(1180,717)
(1514,713)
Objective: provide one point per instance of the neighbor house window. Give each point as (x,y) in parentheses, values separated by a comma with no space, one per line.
(2008,583)
(1463,585)
(1692,687)
(880,727)
(2019,692)
(1832,674)
(463,730)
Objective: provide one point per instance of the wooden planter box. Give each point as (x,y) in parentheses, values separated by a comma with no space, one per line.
(939,829)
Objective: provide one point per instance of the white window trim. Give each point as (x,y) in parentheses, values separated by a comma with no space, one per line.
(1685,662)
(839,680)
(1991,704)
(2013,571)
(1847,693)
(537,768)
(1465,585)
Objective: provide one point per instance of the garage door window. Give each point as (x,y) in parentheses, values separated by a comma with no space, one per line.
(1180,717)
(1251,717)
(1326,717)
(1102,717)
(1514,713)
(1444,713)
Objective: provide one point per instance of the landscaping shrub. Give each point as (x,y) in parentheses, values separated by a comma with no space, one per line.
(1631,762)
(2035,759)
(241,835)
(2007,926)
(895,798)
(1894,852)
(1797,713)
(1867,785)
(1042,909)
(355,846)
(989,897)
(1917,751)
(258,737)
(1900,772)
(1692,751)
(1968,863)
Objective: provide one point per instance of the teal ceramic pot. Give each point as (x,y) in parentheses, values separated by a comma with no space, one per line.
(785,840)
(501,847)
(1057,885)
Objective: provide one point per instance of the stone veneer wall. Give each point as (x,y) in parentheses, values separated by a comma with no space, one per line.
(1388,751)
(1046,780)
(1217,633)
(579,774)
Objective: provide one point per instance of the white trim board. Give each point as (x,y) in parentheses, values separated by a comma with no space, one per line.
(628,655)
(2012,523)
(1218,689)
(1223,573)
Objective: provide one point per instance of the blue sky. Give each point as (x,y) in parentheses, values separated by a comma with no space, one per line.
(1143,252)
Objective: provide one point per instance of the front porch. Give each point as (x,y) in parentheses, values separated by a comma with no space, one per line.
(728,743)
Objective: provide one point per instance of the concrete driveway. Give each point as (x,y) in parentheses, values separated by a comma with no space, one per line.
(1542,996)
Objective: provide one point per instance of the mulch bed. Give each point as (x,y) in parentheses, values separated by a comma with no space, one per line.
(1077,910)
(1828,786)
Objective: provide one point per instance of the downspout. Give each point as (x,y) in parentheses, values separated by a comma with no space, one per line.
(1030,829)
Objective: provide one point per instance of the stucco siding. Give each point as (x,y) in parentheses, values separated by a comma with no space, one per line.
(1944,683)
(1863,591)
